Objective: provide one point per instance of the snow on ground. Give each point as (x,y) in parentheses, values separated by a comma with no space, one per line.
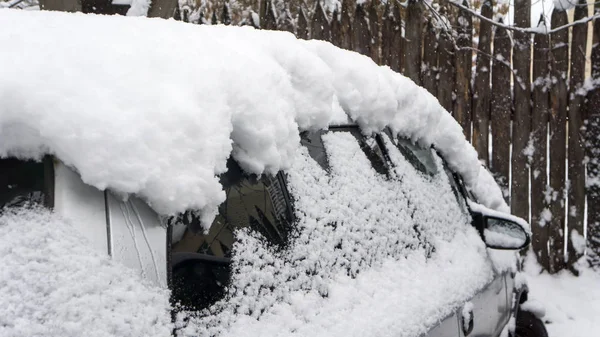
(571,303)
(241,92)
(53,285)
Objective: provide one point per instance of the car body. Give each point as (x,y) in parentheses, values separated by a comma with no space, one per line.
(331,197)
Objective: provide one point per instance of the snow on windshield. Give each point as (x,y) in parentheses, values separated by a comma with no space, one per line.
(368,256)
(53,284)
(155,107)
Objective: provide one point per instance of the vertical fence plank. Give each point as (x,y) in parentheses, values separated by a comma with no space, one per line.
(361,36)
(374,28)
(346,25)
(501,107)
(430,60)
(336,29)
(302,31)
(519,200)
(576,177)
(226,15)
(319,29)
(388,35)
(446,70)
(285,22)
(464,59)
(559,61)
(481,89)
(593,152)
(268,18)
(539,132)
(413,44)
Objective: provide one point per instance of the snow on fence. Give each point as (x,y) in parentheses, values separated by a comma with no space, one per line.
(531,119)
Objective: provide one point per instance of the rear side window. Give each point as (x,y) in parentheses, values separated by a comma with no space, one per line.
(371,147)
(201,260)
(422,159)
(23,182)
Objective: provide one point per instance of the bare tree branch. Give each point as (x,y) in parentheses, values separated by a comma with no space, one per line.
(526,30)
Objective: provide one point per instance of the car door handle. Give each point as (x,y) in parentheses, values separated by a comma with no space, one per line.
(467,320)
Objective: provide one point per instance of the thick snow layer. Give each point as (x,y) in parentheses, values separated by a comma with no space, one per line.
(390,260)
(571,304)
(53,284)
(141,106)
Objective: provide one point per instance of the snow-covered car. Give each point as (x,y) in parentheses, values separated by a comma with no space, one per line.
(277,187)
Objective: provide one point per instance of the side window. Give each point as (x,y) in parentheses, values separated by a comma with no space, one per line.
(370,146)
(24,182)
(201,260)
(422,159)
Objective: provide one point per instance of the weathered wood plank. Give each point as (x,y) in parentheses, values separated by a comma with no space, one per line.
(413,43)
(226,14)
(464,60)
(429,70)
(559,62)
(446,71)
(64,5)
(336,28)
(391,36)
(501,108)
(361,41)
(593,152)
(576,139)
(286,22)
(320,29)
(268,17)
(302,29)
(346,25)
(481,89)
(539,133)
(522,115)
(375,29)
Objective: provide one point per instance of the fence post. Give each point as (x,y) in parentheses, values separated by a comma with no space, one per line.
(429,70)
(413,33)
(374,28)
(464,60)
(446,56)
(346,25)
(519,200)
(559,62)
(286,23)
(226,15)
(576,177)
(539,133)
(501,107)
(320,24)
(302,31)
(268,17)
(361,35)
(336,29)
(391,36)
(593,152)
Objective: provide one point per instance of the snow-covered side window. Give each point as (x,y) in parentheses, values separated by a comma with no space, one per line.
(421,158)
(367,224)
(201,260)
(370,146)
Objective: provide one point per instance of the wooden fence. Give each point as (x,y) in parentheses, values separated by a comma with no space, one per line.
(522,99)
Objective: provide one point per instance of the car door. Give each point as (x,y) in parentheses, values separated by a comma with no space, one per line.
(488,312)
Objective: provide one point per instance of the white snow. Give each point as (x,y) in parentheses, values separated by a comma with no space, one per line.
(53,284)
(69,95)
(571,303)
(138,7)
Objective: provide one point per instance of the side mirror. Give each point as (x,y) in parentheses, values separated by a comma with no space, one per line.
(499,230)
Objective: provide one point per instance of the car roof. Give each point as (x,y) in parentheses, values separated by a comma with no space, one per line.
(173,101)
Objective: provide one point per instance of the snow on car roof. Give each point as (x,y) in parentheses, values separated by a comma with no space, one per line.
(155,107)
